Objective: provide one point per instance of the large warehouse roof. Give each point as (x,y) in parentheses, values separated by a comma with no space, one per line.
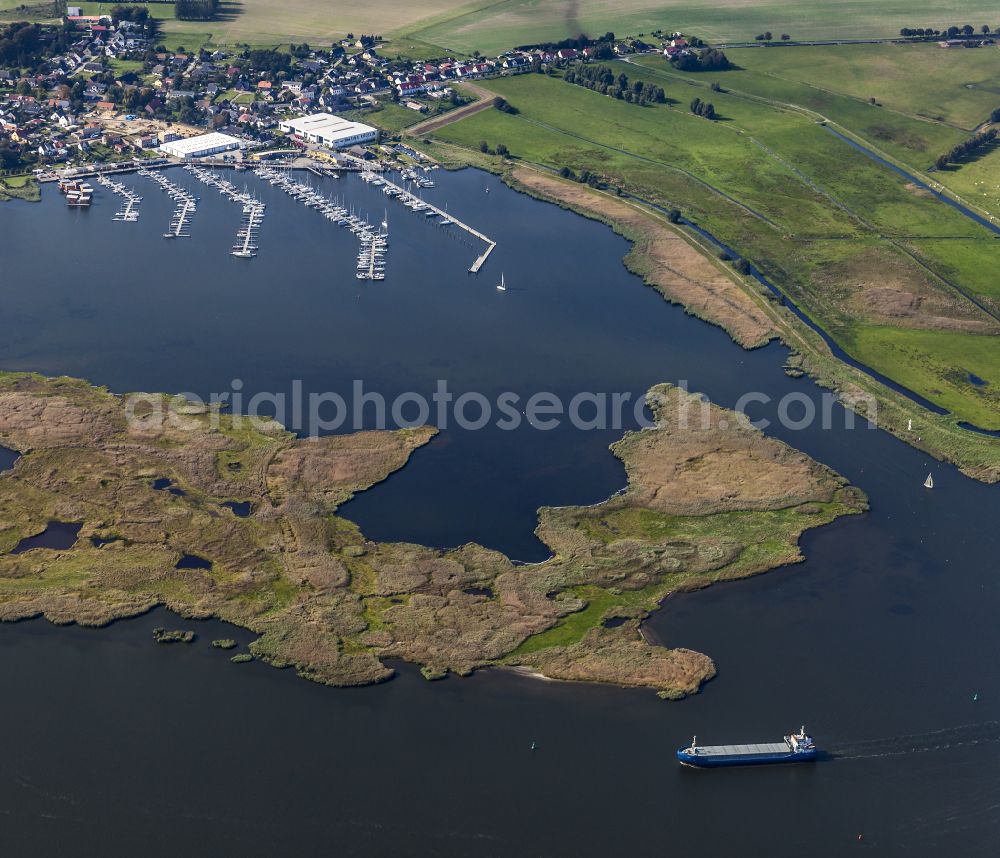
(192,147)
(329,128)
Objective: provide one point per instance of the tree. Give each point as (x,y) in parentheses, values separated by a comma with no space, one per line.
(502,150)
(768,36)
(196,10)
(785,37)
(484,147)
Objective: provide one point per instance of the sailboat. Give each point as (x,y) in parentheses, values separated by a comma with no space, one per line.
(929,482)
(385,220)
(502,285)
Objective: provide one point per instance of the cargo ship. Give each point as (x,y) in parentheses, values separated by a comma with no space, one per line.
(797,748)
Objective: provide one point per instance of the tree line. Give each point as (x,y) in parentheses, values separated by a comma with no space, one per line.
(710,59)
(968,150)
(196,10)
(579,43)
(952,32)
(603,80)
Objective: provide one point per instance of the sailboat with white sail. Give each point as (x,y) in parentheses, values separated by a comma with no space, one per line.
(502,285)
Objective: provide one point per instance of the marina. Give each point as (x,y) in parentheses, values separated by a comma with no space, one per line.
(129,213)
(374,241)
(253,210)
(185,203)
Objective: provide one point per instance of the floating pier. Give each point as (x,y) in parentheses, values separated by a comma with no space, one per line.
(179,220)
(129,213)
(419,205)
(253,209)
(186,202)
(374,242)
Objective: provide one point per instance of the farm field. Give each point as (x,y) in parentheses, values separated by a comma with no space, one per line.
(912,140)
(495,26)
(160,11)
(443,26)
(957,86)
(260,22)
(838,232)
(949,363)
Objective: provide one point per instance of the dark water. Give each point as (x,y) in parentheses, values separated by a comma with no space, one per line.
(883,642)
(193,561)
(59,535)
(7,459)
(241,509)
(164,484)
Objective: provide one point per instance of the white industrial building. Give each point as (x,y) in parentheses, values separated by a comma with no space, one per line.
(200,146)
(329,130)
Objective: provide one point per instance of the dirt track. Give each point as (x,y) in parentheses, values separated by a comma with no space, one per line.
(486,100)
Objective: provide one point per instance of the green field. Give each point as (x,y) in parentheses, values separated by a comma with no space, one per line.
(492,26)
(389,117)
(960,89)
(161,11)
(439,26)
(940,359)
(836,230)
(956,86)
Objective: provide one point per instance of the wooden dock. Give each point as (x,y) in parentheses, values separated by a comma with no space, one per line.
(490,243)
(482,259)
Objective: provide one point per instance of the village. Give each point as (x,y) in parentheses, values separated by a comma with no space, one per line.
(102,91)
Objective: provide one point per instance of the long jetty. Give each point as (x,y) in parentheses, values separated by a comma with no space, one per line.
(186,203)
(130,213)
(179,220)
(450,218)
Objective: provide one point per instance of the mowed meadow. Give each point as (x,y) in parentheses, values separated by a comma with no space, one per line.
(262,22)
(892,273)
(492,26)
(433,27)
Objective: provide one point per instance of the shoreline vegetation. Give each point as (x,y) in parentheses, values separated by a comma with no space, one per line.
(25,188)
(707,502)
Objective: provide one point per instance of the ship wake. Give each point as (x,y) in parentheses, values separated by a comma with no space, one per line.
(946,739)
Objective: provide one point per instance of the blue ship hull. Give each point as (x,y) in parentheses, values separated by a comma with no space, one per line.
(703,761)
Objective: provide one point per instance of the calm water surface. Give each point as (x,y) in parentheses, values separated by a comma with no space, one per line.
(884,642)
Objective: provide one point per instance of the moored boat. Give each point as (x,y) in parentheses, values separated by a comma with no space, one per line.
(796,748)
